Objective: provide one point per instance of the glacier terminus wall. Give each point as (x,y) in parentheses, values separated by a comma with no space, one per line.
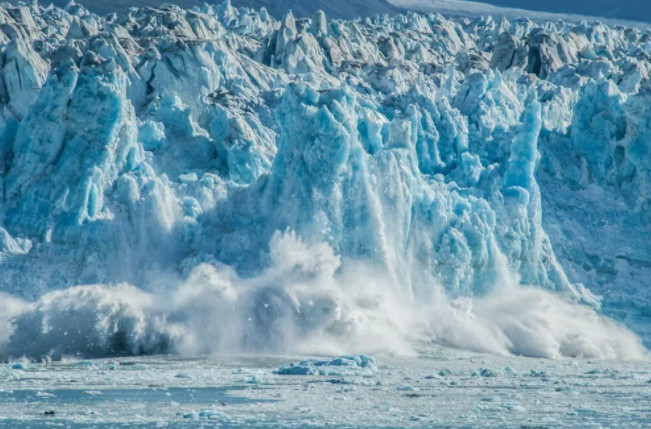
(214,179)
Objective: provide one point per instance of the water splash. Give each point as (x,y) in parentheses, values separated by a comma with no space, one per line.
(307,301)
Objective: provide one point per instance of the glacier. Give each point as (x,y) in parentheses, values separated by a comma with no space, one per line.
(213,179)
(343,9)
(628,13)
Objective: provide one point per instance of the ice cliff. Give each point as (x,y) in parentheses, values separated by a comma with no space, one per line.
(228,181)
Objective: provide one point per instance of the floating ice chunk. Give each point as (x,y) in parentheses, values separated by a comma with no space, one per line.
(595,371)
(340,380)
(254,379)
(541,374)
(213,415)
(344,365)
(137,367)
(509,370)
(406,388)
(488,372)
(86,364)
(515,407)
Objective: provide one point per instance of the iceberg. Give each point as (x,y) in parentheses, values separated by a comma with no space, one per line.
(226,181)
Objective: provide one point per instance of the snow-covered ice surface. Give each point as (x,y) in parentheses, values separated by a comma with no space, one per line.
(215,180)
(440,388)
(538,11)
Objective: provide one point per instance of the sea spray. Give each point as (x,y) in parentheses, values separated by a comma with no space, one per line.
(306,301)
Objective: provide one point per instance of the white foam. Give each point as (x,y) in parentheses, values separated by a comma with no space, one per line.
(307,301)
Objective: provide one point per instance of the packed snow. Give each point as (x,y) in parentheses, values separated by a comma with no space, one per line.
(215,180)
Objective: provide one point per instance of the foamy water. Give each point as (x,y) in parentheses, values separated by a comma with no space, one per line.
(307,301)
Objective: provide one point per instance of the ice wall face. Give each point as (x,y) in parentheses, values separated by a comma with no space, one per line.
(412,162)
